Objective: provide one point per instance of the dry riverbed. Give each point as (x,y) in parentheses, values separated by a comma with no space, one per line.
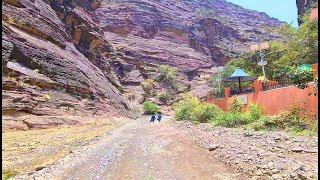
(35,149)
(137,149)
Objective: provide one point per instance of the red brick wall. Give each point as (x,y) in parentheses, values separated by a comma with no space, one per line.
(273,101)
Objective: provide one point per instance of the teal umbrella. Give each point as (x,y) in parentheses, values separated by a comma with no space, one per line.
(305,66)
(238,76)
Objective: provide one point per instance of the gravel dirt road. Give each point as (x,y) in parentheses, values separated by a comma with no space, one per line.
(139,150)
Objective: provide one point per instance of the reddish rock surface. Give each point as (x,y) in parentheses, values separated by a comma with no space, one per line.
(69,57)
(55,61)
(193,36)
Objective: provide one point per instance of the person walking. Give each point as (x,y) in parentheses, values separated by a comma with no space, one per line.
(159,116)
(153,117)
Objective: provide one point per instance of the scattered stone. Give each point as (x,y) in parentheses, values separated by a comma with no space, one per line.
(213,147)
(276,176)
(254,155)
(275,171)
(270,164)
(258,173)
(297,150)
(293,175)
(269,172)
(302,176)
(61,136)
(277,138)
(298,167)
(310,151)
(39,168)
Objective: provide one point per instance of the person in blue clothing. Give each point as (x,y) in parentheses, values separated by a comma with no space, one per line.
(153,117)
(159,116)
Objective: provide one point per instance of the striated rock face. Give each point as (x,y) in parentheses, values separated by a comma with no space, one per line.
(194,36)
(56,61)
(80,57)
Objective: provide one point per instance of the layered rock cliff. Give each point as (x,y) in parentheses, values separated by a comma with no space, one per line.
(55,60)
(194,36)
(80,57)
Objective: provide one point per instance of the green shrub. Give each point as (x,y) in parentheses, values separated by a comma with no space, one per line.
(206,112)
(148,85)
(149,107)
(185,109)
(235,106)
(301,77)
(165,97)
(230,119)
(166,73)
(190,109)
(285,120)
(264,123)
(255,112)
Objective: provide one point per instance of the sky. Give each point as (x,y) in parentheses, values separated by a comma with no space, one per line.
(284,10)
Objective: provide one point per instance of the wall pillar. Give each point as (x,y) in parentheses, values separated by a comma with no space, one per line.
(227,92)
(315,69)
(209,97)
(257,88)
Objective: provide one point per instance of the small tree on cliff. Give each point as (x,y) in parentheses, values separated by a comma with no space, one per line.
(167,75)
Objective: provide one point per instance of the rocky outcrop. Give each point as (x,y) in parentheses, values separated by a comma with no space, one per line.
(56,61)
(303,6)
(193,36)
(80,57)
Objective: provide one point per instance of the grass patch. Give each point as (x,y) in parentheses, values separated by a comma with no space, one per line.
(191,109)
(27,150)
(294,121)
(8,174)
(149,107)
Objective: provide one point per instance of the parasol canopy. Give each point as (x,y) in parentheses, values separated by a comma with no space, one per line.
(238,76)
(305,66)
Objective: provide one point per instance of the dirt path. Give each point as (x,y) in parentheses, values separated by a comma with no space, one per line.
(139,150)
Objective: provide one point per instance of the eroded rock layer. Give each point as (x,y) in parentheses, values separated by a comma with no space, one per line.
(80,57)
(55,60)
(193,36)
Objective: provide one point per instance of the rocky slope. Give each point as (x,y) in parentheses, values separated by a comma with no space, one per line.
(73,57)
(194,36)
(263,155)
(55,61)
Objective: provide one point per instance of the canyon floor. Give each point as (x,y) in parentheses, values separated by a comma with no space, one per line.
(138,149)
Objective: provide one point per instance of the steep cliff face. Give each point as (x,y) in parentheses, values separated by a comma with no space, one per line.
(303,6)
(194,36)
(55,60)
(73,56)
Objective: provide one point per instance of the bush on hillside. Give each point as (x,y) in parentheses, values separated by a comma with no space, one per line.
(206,112)
(184,109)
(190,109)
(167,76)
(148,85)
(149,107)
(235,107)
(301,77)
(165,97)
(230,119)
(254,111)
